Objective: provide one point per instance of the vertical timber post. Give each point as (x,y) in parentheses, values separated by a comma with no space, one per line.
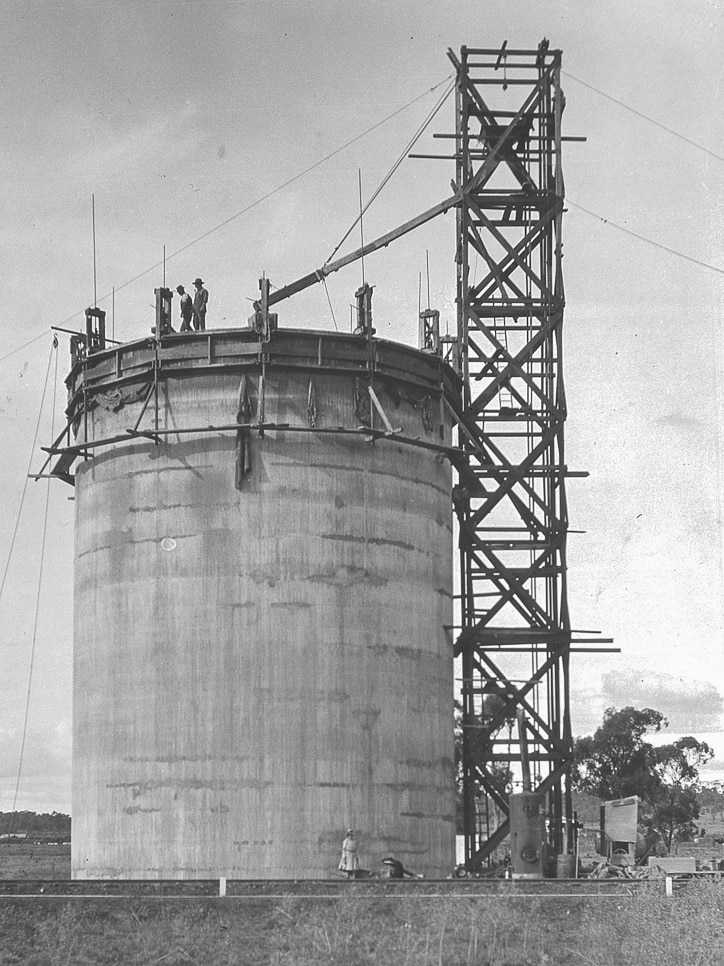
(510,499)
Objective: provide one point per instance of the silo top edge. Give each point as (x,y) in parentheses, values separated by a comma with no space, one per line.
(210,351)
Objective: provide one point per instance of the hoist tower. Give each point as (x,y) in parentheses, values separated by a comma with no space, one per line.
(510,499)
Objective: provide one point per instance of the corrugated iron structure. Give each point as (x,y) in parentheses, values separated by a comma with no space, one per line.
(263,596)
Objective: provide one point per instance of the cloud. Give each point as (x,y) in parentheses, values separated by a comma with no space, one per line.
(690,706)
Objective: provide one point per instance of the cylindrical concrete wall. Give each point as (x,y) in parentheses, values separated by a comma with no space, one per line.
(261,658)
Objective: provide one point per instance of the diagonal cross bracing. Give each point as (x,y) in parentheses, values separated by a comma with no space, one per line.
(510,495)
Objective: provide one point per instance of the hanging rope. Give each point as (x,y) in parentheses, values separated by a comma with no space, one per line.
(324,281)
(30,461)
(37,595)
(396,165)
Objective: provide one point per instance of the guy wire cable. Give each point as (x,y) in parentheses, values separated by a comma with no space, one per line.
(396,165)
(40,579)
(30,462)
(352,141)
(643,238)
(269,194)
(646,117)
(25,345)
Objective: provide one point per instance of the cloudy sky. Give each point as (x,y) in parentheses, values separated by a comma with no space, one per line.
(229,133)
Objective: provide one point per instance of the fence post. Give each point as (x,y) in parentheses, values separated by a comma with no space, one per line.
(669,887)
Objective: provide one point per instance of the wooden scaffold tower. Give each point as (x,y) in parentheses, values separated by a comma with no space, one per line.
(510,500)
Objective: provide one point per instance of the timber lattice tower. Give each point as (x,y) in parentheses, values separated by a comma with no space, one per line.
(510,501)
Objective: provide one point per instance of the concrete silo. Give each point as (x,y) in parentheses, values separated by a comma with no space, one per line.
(261,653)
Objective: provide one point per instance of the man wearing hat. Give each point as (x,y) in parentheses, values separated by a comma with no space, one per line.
(349,862)
(201,297)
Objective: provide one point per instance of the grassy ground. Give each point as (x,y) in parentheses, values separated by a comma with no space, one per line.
(646,929)
(34,862)
(626,927)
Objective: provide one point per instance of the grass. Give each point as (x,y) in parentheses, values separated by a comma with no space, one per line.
(356,930)
(34,862)
(359,927)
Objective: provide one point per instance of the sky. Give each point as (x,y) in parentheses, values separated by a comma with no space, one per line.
(229,134)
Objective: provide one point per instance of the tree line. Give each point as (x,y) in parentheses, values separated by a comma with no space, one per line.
(38,826)
(618,761)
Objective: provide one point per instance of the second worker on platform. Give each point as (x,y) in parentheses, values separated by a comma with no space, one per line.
(186,307)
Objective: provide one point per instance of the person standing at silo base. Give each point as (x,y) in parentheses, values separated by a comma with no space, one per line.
(201,298)
(349,862)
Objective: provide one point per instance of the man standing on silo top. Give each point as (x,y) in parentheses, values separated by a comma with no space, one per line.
(187,309)
(201,297)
